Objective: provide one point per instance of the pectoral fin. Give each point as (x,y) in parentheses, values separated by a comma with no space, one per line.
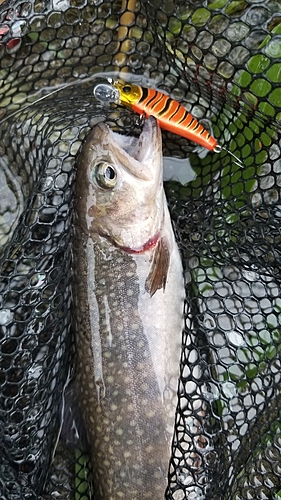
(159,267)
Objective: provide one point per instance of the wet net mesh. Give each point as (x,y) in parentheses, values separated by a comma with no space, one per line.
(222,60)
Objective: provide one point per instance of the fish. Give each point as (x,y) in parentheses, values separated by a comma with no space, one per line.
(128,295)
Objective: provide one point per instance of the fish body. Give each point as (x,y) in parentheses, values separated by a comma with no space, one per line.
(128,299)
(170,114)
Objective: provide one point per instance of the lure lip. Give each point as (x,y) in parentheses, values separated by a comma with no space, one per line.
(106,93)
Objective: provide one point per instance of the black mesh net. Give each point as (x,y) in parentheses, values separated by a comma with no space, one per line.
(221,59)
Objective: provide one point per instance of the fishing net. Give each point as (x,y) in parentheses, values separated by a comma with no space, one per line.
(221,59)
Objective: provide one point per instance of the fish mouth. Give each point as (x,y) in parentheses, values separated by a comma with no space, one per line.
(137,153)
(137,147)
(142,147)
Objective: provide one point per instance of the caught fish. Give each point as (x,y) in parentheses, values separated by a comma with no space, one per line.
(170,114)
(128,299)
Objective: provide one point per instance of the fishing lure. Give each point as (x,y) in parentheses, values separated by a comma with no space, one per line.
(170,114)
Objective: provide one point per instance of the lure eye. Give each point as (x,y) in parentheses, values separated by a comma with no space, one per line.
(105,175)
(127,89)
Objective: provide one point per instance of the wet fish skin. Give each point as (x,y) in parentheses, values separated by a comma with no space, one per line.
(128,300)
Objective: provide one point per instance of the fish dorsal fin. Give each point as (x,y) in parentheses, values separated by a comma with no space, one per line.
(159,267)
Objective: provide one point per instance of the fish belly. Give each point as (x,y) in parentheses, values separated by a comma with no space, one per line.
(128,353)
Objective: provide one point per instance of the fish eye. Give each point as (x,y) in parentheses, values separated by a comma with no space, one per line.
(105,175)
(127,88)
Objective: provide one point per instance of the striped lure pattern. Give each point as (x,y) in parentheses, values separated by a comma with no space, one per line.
(170,114)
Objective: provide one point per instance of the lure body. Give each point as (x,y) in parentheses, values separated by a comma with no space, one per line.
(170,114)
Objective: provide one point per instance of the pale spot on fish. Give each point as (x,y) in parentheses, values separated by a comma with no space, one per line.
(126,454)
(129,274)
(149,449)
(144,387)
(119,432)
(110,379)
(150,414)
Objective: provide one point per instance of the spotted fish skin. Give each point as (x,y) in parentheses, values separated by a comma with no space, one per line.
(128,299)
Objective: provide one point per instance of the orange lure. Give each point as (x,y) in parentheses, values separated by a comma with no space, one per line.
(170,114)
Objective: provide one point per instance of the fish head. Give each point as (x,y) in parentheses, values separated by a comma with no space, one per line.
(119,186)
